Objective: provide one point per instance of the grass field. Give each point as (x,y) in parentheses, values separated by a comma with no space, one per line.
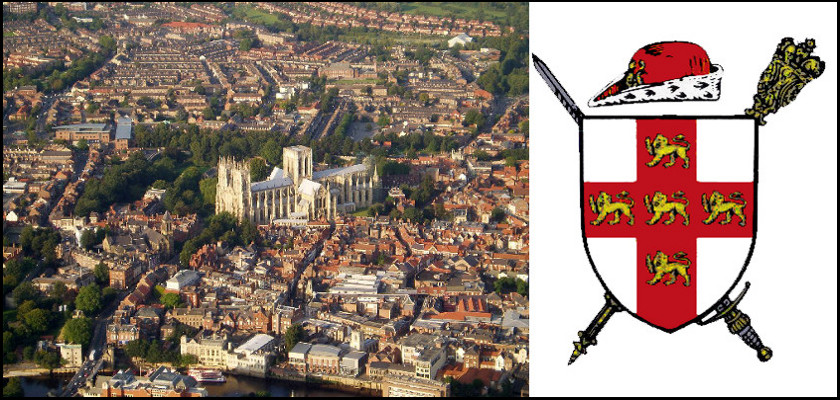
(370,81)
(361,213)
(459,10)
(253,15)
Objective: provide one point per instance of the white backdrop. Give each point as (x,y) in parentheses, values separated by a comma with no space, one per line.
(793,299)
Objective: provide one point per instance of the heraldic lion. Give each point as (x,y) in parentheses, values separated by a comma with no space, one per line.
(660,206)
(660,266)
(661,147)
(605,206)
(716,205)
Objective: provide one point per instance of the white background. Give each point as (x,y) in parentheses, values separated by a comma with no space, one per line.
(793,299)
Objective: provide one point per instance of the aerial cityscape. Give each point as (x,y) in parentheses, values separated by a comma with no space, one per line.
(265,199)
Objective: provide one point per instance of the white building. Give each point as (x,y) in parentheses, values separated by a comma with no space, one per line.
(461,39)
(183,279)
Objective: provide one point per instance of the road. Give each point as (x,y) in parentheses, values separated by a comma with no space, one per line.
(90,368)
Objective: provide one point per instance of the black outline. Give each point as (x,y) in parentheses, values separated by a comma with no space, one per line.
(583,214)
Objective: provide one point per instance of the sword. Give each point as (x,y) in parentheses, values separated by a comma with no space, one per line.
(739,324)
(558,90)
(587,337)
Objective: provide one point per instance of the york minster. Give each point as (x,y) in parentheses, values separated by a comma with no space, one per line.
(294,193)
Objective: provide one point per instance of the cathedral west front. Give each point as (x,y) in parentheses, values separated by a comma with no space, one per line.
(294,193)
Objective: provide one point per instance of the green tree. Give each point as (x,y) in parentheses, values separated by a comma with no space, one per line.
(207,187)
(108,294)
(108,42)
(259,170)
(89,299)
(47,359)
(78,330)
(208,114)
(246,44)
(413,214)
(510,161)
(186,360)
(137,348)
(24,291)
(155,353)
(58,290)
(38,320)
(28,353)
(498,214)
(101,273)
(88,239)
(26,307)
(13,388)
(8,346)
(171,300)
(272,152)
(294,334)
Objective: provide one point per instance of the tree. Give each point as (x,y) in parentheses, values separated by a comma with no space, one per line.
(259,170)
(171,300)
(47,359)
(58,291)
(498,214)
(510,161)
(413,214)
(137,348)
(294,334)
(78,330)
(24,291)
(38,320)
(208,114)
(424,98)
(187,360)
(521,287)
(88,239)
(246,44)
(101,273)
(108,294)
(155,353)
(13,388)
(89,299)
(207,187)
(272,152)
(108,42)
(26,307)
(82,145)
(8,346)
(28,353)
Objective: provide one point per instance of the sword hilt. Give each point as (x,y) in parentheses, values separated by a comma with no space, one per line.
(739,324)
(588,337)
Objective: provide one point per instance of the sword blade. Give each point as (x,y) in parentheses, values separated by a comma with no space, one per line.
(558,90)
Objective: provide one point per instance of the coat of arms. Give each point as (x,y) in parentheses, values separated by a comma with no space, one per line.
(668,202)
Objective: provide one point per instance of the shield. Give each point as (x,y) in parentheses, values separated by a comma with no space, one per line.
(668,210)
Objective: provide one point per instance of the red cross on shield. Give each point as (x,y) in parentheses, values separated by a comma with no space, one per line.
(668,210)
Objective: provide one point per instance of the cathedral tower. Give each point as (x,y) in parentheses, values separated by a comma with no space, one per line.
(297,163)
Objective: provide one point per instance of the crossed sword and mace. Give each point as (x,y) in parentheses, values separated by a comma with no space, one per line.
(791,68)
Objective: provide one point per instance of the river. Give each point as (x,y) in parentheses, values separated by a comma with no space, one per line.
(236,386)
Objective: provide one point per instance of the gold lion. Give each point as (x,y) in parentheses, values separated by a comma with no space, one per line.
(717,205)
(660,266)
(605,206)
(660,206)
(661,147)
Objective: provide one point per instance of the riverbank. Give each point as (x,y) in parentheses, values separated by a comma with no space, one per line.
(12,371)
